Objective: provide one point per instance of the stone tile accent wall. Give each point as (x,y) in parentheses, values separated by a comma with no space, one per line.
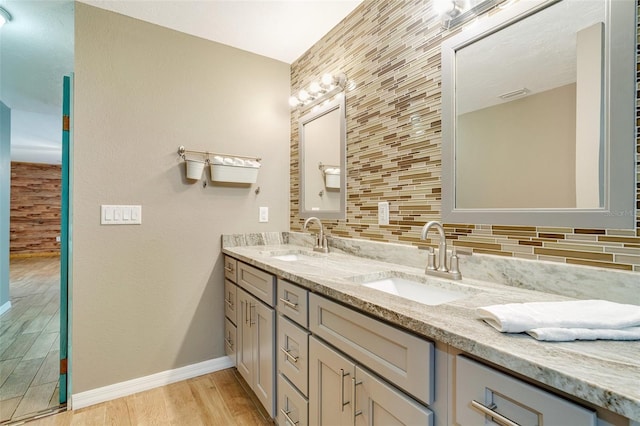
(391,49)
(35,209)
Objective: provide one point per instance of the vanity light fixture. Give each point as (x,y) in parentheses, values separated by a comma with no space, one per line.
(318,92)
(456,12)
(5,16)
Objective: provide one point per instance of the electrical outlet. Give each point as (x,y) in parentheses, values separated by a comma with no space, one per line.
(383,213)
(264,214)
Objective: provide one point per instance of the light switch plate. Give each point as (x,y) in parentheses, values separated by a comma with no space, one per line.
(111,214)
(264,214)
(383,213)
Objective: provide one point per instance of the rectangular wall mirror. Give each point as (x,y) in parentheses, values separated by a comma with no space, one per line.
(538,116)
(322,149)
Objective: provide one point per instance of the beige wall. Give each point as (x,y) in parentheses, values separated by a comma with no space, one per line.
(391,50)
(504,167)
(149,298)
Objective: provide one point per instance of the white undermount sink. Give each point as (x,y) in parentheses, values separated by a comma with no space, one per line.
(287,257)
(416,291)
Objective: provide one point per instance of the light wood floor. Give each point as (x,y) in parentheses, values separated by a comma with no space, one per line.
(29,339)
(214,399)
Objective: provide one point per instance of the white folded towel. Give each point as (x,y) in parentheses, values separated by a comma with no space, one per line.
(592,314)
(554,334)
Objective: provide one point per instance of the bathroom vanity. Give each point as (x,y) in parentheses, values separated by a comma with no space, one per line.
(351,353)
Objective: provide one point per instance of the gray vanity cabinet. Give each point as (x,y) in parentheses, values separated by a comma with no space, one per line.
(230,307)
(255,351)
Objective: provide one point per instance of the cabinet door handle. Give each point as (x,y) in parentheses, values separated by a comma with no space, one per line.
(355,412)
(289,303)
(246,311)
(342,389)
(288,354)
(497,417)
(229,343)
(286,416)
(228,269)
(228,302)
(251,321)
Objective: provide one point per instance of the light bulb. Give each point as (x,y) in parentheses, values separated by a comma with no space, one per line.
(293,101)
(315,87)
(303,95)
(444,7)
(327,79)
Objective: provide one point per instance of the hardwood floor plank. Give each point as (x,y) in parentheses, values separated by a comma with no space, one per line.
(36,399)
(148,408)
(117,413)
(19,380)
(208,397)
(242,408)
(89,416)
(182,407)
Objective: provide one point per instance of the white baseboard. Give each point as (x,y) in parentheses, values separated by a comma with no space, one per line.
(118,390)
(5,307)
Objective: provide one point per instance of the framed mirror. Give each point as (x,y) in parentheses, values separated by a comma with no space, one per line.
(538,116)
(322,151)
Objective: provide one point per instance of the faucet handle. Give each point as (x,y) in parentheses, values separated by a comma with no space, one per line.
(431,260)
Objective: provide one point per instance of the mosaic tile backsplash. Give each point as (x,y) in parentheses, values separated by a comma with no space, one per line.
(391,49)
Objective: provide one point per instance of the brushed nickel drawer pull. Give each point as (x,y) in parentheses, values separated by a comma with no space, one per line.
(228,302)
(288,354)
(289,303)
(497,417)
(356,413)
(286,416)
(228,269)
(229,343)
(342,389)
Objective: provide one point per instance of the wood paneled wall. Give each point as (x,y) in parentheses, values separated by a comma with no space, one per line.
(35,209)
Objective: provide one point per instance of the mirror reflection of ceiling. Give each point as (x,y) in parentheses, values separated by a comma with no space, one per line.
(519,54)
(36,49)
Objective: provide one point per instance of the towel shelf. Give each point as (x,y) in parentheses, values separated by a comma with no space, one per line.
(224,167)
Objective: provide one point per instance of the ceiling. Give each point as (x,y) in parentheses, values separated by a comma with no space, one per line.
(36,49)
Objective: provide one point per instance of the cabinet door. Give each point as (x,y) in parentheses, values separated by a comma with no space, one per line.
(262,321)
(330,386)
(230,301)
(379,404)
(244,340)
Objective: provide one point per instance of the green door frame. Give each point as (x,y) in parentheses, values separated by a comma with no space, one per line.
(64,238)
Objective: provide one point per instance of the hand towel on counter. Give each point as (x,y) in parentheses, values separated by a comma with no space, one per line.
(591,314)
(555,334)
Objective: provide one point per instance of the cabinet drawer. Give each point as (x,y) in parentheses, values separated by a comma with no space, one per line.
(230,267)
(400,357)
(293,353)
(230,337)
(259,283)
(293,302)
(293,408)
(230,301)
(481,390)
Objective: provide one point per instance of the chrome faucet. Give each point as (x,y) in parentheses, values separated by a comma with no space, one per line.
(440,269)
(321,240)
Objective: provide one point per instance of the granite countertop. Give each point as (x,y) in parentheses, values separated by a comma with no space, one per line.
(604,373)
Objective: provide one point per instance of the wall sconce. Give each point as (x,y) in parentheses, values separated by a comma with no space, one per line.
(317,92)
(456,12)
(5,16)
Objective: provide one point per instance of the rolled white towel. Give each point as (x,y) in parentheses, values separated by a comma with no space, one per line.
(252,163)
(554,334)
(227,161)
(592,314)
(238,162)
(217,160)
